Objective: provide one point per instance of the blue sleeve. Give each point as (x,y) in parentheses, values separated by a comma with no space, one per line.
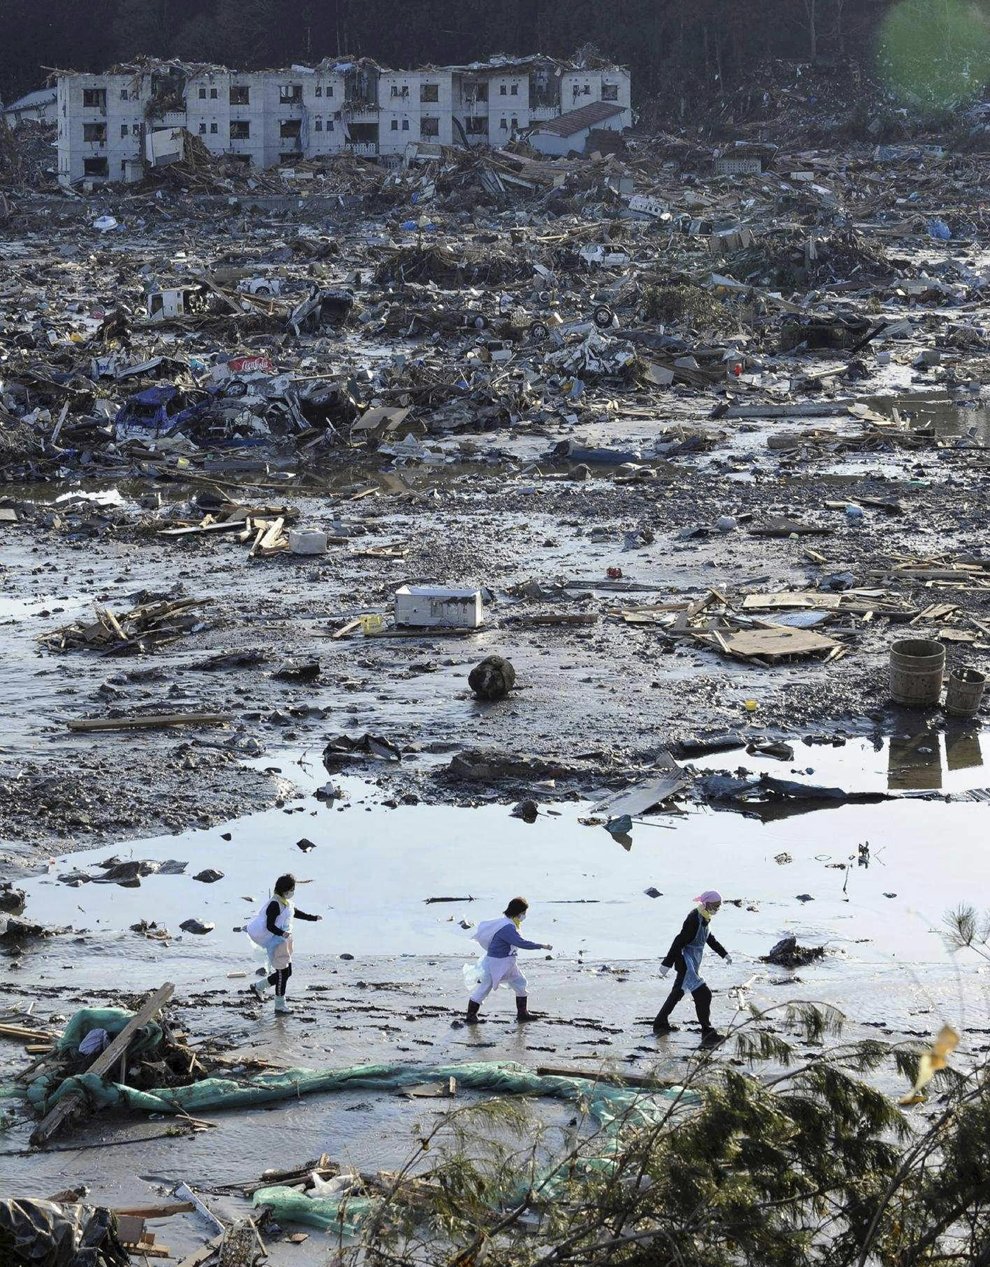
(514,938)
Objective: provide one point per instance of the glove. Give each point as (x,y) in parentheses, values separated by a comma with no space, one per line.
(728,959)
(664,970)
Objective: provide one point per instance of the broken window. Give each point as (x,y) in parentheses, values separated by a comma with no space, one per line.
(395,125)
(96,167)
(95,98)
(135,129)
(429,92)
(240,130)
(586,90)
(290,129)
(202,129)
(610,92)
(214,94)
(202,94)
(504,125)
(515,123)
(476,126)
(429,127)
(318,125)
(329,90)
(289,94)
(123,129)
(503,90)
(329,125)
(319,90)
(123,94)
(405,125)
(240,95)
(514,90)
(481,92)
(95,132)
(364,133)
(214,128)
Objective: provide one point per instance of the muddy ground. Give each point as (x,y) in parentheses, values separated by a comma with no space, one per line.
(600,702)
(596,707)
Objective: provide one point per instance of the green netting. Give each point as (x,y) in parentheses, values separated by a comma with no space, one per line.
(113,1020)
(612,1108)
(339,1213)
(606,1103)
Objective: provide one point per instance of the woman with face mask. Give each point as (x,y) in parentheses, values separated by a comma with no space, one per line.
(685,955)
(271,929)
(501,939)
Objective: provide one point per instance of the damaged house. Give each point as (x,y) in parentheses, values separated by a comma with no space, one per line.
(112,127)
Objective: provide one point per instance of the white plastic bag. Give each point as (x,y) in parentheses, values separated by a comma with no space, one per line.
(472,974)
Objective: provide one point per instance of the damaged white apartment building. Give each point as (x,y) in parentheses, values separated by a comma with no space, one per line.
(111,127)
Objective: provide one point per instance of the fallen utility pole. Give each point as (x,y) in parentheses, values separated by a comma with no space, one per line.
(151,721)
(103,1063)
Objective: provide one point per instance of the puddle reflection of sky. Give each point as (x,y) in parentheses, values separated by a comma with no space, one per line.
(373,868)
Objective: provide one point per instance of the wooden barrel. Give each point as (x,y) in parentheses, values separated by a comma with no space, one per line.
(916,669)
(964,692)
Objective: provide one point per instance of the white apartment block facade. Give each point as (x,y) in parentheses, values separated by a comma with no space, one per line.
(110,127)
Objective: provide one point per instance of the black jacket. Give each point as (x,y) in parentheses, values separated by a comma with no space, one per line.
(274,911)
(689,930)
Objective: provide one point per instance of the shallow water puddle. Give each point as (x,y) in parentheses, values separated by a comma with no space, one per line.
(372,869)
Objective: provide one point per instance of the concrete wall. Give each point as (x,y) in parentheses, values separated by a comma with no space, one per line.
(301,112)
(581,87)
(508,105)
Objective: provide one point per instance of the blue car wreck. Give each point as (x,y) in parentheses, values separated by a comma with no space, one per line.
(160,411)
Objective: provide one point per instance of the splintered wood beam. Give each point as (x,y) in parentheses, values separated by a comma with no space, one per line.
(103,1063)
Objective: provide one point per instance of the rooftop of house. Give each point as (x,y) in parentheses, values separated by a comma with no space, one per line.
(575,121)
(155,66)
(31,100)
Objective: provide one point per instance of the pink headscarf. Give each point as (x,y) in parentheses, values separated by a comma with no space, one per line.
(708,897)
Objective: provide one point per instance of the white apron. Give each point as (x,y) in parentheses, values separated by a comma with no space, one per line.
(496,970)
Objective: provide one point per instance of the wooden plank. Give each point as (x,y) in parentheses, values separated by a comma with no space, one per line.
(347,629)
(252,553)
(106,614)
(272,535)
(792,600)
(103,1063)
(198,530)
(781,641)
(28,1035)
(154,1211)
(153,721)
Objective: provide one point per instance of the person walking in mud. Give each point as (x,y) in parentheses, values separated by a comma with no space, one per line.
(685,955)
(501,940)
(271,929)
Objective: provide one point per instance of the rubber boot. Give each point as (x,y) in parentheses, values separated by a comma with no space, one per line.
(522,1014)
(710,1037)
(661,1023)
(280,1005)
(472,1013)
(259,987)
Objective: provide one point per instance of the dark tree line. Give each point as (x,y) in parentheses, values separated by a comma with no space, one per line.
(679,50)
